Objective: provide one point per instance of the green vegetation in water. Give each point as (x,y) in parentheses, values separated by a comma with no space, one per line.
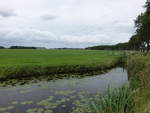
(20,64)
(134,98)
(3,109)
(114,101)
(27,102)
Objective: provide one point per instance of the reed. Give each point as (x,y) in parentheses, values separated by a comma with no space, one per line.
(115,101)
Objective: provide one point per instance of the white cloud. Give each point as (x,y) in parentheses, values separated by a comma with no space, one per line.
(7,13)
(69,22)
(29,36)
(49,17)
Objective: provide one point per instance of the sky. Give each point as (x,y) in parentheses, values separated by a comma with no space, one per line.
(67,23)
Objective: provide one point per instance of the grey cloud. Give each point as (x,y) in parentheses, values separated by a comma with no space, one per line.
(35,37)
(7,13)
(49,17)
(74,23)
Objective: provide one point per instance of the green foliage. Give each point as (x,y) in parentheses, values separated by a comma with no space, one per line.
(134,43)
(142,37)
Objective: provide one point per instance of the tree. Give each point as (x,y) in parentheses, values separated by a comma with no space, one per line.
(1,47)
(142,24)
(134,43)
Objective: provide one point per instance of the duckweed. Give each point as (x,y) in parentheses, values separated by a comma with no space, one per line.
(27,102)
(35,110)
(15,102)
(6,108)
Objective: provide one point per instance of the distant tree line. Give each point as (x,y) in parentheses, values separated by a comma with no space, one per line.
(120,46)
(21,47)
(68,48)
(1,47)
(140,41)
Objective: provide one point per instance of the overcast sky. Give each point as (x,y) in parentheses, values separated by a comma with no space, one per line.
(67,23)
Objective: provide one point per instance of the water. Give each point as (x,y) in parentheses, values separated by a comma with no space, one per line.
(59,96)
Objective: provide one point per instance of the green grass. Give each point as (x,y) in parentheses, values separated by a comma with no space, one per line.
(115,101)
(119,100)
(139,73)
(26,63)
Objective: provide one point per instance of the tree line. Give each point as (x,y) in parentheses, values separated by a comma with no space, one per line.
(21,47)
(120,46)
(140,41)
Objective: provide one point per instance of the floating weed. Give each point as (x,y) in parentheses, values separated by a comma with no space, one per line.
(48,104)
(48,111)
(73,97)
(6,108)
(3,108)
(50,98)
(27,102)
(63,106)
(115,101)
(36,110)
(15,102)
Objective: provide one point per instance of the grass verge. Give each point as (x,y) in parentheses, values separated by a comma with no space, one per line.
(139,74)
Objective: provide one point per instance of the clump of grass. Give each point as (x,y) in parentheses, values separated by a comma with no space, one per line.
(139,71)
(115,101)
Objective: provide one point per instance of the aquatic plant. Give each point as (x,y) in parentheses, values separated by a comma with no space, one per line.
(27,102)
(2,109)
(114,101)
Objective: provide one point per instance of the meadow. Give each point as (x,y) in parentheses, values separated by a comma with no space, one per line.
(27,63)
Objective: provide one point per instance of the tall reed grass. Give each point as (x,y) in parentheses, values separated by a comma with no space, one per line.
(115,101)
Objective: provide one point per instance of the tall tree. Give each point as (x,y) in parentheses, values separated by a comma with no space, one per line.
(142,24)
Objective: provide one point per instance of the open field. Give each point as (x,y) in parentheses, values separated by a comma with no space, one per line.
(25,63)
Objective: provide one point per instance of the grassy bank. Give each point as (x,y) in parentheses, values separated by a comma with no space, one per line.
(29,63)
(139,74)
(132,98)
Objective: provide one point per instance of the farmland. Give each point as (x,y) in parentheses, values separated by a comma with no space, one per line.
(25,63)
